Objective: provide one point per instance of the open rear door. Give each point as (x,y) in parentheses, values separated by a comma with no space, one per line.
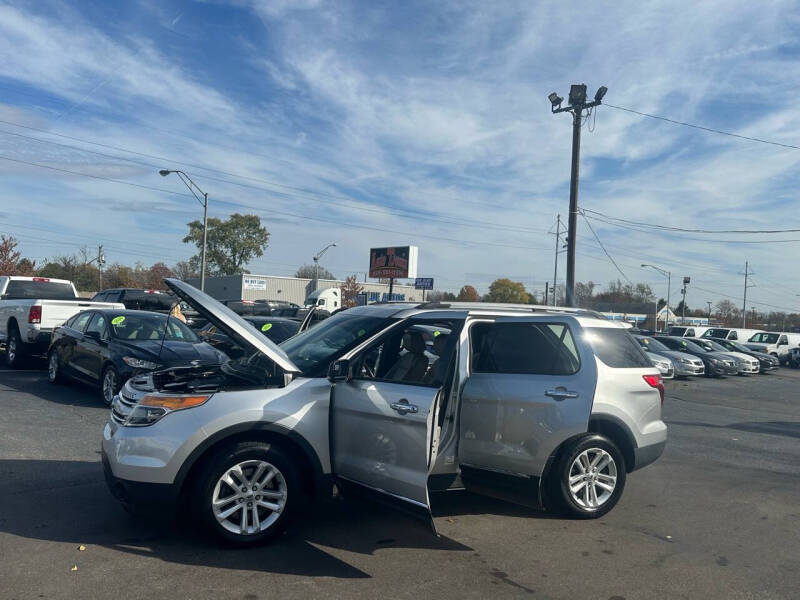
(381,441)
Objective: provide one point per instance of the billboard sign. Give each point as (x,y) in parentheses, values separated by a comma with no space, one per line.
(423,283)
(396,262)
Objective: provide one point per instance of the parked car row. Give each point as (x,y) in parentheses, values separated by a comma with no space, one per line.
(777,344)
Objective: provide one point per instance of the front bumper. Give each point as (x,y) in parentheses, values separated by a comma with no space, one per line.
(140,494)
(723,370)
(687,370)
(748,369)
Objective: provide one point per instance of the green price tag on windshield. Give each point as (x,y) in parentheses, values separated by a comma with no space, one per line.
(437,333)
(266,327)
(361,332)
(117,320)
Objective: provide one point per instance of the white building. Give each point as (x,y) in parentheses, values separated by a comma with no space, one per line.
(293,289)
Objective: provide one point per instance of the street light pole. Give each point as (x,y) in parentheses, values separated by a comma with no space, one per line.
(669,290)
(192,187)
(577,104)
(316,258)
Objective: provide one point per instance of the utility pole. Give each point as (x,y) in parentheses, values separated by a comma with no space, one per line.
(546,293)
(744,301)
(555,266)
(316,258)
(577,104)
(709,312)
(101,261)
(686,281)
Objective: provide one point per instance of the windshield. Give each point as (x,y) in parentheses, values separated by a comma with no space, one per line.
(716,347)
(38,290)
(716,333)
(278,330)
(136,328)
(765,338)
(738,347)
(315,347)
(652,344)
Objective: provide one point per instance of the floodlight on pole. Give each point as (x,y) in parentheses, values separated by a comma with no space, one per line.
(577,104)
(204,201)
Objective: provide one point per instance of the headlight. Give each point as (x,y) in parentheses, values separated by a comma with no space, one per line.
(154,407)
(685,361)
(138,363)
(716,361)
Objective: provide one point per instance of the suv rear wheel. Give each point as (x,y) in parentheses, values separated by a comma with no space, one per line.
(247,493)
(589,477)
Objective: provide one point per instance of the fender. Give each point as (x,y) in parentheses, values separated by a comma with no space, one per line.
(254,427)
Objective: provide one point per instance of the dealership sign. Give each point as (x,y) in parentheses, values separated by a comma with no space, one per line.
(423,283)
(398,262)
(255,283)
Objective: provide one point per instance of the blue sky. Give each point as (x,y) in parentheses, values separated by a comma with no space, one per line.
(380,123)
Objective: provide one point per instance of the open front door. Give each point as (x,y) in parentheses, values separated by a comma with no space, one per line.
(384,414)
(530,387)
(381,441)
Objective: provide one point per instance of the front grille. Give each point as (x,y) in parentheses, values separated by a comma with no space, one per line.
(122,406)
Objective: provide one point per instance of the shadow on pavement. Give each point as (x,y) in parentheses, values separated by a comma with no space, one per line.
(782,428)
(67,501)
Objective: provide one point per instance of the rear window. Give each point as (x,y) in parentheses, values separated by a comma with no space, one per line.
(616,348)
(765,338)
(43,290)
(526,348)
(136,300)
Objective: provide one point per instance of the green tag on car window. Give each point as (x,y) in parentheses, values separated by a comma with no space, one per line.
(117,320)
(436,333)
(361,332)
(266,327)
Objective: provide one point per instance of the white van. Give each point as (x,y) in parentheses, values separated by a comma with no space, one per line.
(731,333)
(686,331)
(778,344)
(328,299)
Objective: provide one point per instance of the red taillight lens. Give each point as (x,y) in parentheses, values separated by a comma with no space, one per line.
(35,314)
(654,381)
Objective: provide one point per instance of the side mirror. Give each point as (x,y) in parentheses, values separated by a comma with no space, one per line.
(340,370)
(93,335)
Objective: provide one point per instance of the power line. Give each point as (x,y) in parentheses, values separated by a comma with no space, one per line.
(687,230)
(709,129)
(459,242)
(604,249)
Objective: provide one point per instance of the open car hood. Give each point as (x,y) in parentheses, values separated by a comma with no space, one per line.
(230,323)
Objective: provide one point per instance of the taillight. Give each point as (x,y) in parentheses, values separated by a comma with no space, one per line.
(35,314)
(654,381)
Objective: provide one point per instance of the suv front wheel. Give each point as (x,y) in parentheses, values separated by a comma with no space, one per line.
(589,477)
(247,493)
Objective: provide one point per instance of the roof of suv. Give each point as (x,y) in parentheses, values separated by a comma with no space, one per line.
(585,317)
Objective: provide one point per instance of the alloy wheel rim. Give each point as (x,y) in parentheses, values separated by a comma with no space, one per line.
(249,497)
(592,478)
(12,349)
(52,367)
(109,383)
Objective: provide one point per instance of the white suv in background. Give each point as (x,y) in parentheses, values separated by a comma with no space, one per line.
(546,407)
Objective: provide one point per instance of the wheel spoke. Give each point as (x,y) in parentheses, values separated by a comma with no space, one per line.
(269,505)
(243,522)
(605,486)
(269,476)
(593,495)
(272,494)
(227,513)
(604,462)
(577,488)
(255,519)
(220,502)
(238,474)
(257,475)
(606,478)
(579,463)
(576,478)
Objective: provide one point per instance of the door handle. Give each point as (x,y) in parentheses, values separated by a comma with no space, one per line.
(403,407)
(560,393)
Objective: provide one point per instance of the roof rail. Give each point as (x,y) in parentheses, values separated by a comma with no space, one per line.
(542,308)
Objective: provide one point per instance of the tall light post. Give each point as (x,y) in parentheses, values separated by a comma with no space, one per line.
(317,256)
(577,104)
(204,201)
(669,285)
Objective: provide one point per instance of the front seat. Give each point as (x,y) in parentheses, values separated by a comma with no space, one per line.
(413,364)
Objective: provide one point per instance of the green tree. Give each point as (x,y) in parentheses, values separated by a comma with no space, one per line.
(231,243)
(468,294)
(505,290)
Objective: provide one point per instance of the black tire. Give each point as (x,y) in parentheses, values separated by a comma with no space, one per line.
(565,467)
(54,374)
(287,481)
(15,349)
(114,385)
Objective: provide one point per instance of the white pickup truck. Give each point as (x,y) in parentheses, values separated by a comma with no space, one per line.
(31,307)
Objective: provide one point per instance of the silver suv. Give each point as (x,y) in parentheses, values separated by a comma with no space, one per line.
(545,407)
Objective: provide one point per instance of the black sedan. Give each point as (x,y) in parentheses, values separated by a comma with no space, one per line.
(277,329)
(766,361)
(106,347)
(716,363)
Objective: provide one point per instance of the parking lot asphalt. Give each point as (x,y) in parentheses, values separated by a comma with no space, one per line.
(716,517)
